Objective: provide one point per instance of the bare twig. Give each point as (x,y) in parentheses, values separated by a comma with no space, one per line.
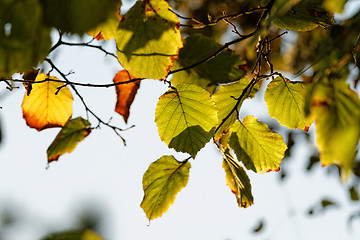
(87,109)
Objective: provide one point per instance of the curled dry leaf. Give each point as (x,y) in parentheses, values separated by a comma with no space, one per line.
(125,93)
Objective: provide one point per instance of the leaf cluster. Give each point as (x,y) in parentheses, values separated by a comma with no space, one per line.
(208,81)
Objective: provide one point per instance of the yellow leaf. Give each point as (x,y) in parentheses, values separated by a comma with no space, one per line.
(45,109)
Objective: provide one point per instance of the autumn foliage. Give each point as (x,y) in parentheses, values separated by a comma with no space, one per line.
(209,79)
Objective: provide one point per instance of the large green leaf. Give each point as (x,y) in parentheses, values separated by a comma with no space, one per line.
(24,40)
(161,182)
(186,117)
(148,39)
(336,109)
(260,149)
(77,16)
(285,102)
(305,16)
(224,68)
(237,180)
(226,100)
(74,131)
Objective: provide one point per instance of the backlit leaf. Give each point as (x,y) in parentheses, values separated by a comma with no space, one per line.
(285,102)
(107,30)
(74,131)
(336,109)
(161,182)
(227,104)
(24,40)
(226,67)
(77,16)
(237,180)
(305,16)
(186,117)
(334,5)
(148,39)
(45,109)
(125,93)
(260,149)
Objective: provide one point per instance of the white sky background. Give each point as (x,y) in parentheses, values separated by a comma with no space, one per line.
(101,172)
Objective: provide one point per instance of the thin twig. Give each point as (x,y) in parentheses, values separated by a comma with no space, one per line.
(87,109)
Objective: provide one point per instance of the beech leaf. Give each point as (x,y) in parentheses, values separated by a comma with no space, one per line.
(305,16)
(43,108)
(161,182)
(24,40)
(125,93)
(74,131)
(226,101)
(260,149)
(77,16)
(107,30)
(225,67)
(186,117)
(148,39)
(237,180)
(336,109)
(285,102)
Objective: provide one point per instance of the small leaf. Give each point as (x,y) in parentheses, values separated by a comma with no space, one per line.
(43,108)
(237,180)
(226,101)
(30,76)
(259,226)
(186,117)
(107,30)
(336,109)
(125,93)
(77,16)
(148,39)
(354,195)
(260,149)
(305,16)
(285,103)
(74,131)
(225,67)
(74,235)
(334,5)
(161,182)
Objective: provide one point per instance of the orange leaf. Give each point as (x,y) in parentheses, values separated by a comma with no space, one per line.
(125,93)
(42,108)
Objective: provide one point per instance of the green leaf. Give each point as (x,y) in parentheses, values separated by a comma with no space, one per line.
(336,109)
(24,40)
(77,16)
(354,195)
(237,180)
(305,16)
(74,131)
(227,104)
(260,149)
(285,102)
(148,39)
(161,182)
(225,67)
(74,235)
(186,117)
(334,5)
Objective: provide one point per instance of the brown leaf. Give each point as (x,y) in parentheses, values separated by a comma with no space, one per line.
(30,76)
(125,93)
